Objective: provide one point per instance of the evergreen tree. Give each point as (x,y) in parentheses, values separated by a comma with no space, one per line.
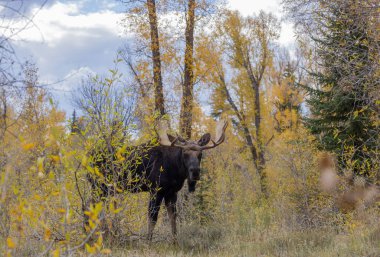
(74,126)
(342,113)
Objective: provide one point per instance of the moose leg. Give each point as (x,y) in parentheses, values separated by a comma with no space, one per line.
(170,203)
(154,208)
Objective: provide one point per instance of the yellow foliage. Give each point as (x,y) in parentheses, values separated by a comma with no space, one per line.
(56,253)
(28,146)
(10,243)
(40,164)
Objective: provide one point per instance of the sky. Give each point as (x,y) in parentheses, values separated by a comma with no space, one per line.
(70,39)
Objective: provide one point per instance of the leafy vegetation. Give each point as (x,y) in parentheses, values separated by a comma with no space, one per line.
(67,184)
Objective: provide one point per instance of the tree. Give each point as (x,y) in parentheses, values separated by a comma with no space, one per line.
(108,107)
(286,96)
(247,51)
(177,23)
(343,104)
(188,83)
(156,59)
(74,124)
(140,14)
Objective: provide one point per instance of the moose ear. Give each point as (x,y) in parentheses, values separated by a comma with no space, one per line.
(204,139)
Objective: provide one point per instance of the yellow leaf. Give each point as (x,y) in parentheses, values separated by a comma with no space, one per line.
(100,240)
(55,253)
(10,243)
(106,251)
(37,197)
(28,146)
(47,234)
(55,158)
(90,249)
(40,164)
(84,161)
(90,169)
(97,172)
(113,210)
(91,224)
(61,210)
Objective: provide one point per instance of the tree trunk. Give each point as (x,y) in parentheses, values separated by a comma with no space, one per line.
(260,160)
(257,154)
(186,114)
(156,58)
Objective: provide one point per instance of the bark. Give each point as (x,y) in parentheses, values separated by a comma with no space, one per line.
(156,58)
(260,160)
(186,114)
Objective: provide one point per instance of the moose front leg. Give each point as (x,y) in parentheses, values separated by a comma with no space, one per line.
(170,203)
(154,208)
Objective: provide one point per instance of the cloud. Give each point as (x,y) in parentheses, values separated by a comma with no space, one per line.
(70,42)
(63,20)
(254,6)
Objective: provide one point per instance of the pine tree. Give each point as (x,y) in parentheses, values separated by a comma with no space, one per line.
(341,113)
(287,98)
(74,126)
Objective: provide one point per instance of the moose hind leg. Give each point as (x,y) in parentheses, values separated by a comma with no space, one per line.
(154,208)
(170,203)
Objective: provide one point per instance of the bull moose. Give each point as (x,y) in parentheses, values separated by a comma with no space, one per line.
(162,170)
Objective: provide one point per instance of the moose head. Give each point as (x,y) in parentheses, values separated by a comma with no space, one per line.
(191,155)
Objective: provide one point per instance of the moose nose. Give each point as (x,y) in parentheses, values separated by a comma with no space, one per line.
(194,174)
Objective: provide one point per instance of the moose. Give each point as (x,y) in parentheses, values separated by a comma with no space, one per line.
(162,170)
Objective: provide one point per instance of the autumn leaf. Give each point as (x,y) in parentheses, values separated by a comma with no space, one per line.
(61,210)
(40,164)
(106,251)
(47,234)
(55,158)
(56,253)
(10,243)
(90,249)
(28,146)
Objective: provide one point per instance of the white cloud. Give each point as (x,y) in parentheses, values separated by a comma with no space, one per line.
(70,42)
(62,20)
(249,7)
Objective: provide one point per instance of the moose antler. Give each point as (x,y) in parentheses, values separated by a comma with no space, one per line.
(167,140)
(219,136)
(162,134)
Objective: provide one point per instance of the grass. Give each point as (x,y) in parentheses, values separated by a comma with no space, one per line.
(258,231)
(230,240)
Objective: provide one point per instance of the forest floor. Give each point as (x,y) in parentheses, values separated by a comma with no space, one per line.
(247,238)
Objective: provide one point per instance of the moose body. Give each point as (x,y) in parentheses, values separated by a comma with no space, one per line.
(162,170)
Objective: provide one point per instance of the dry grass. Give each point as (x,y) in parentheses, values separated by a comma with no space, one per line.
(260,231)
(219,241)
(246,237)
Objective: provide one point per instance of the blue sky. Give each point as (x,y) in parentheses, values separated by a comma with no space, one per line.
(74,38)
